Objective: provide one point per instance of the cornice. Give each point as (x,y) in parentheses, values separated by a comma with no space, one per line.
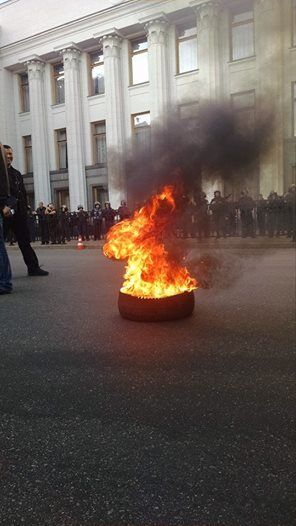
(88,22)
(7,3)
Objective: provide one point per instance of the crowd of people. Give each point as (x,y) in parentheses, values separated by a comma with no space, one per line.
(246,217)
(201,218)
(58,226)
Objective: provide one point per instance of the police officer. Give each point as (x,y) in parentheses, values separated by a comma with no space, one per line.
(218,209)
(82,217)
(97,218)
(246,207)
(43,224)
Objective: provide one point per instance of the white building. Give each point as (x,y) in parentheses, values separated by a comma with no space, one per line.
(79,80)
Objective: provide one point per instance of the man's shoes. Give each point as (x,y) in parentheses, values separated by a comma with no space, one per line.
(37,272)
(5,291)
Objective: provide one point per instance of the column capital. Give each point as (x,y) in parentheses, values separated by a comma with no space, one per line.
(71,57)
(156,29)
(111,44)
(207,11)
(70,53)
(35,68)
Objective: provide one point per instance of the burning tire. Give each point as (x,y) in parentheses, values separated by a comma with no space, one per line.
(156,309)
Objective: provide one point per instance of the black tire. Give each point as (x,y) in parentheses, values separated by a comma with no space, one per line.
(156,309)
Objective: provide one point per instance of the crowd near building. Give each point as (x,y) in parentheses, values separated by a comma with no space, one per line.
(82,80)
(200,219)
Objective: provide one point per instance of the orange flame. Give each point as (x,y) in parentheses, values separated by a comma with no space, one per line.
(150,272)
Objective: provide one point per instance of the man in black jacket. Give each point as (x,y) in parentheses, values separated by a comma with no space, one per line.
(5,270)
(19,218)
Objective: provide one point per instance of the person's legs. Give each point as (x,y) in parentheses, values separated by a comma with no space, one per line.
(5,270)
(23,238)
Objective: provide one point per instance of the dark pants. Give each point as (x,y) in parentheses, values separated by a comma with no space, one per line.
(97,229)
(219,224)
(5,271)
(247,223)
(271,224)
(44,232)
(53,231)
(82,230)
(261,223)
(202,228)
(108,225)
(63,232)
(21,232)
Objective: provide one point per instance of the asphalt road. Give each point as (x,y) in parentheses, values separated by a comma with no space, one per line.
(110,422)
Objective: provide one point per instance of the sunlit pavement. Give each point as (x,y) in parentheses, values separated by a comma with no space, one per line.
(111,422)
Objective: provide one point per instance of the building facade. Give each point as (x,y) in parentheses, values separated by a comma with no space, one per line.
(80,81)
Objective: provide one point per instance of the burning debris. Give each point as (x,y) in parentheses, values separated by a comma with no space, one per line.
(157,285)
(152,273)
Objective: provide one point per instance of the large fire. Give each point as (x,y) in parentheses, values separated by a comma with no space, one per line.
(150,271)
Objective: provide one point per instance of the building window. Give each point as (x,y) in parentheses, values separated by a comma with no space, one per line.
(141,129)
(100,194)
(139,61)
(187,48)
(24,89)
(99,142)
(244,106)
(294,107)
(59,83)
(97,73)
(61,138)
(293,23)
(242,33)
(27,140)
(62,198)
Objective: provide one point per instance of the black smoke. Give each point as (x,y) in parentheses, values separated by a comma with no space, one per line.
(214,142)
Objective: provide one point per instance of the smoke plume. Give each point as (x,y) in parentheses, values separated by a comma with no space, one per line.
(213,142)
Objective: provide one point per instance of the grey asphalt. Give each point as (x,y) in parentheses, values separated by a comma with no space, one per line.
(105,421)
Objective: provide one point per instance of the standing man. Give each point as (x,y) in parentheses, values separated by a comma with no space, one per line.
(43,225)
(19,219)
(97,218)
(218,208)
(5,271)
(246,206)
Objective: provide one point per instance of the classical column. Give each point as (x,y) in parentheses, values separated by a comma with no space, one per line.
(268,38)
(208,48)
(74,126)
(157,34)
(114,118)
(40,152)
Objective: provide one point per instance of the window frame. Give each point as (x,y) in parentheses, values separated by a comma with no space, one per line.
(94,140)
(99,193)
(293,25)
(54,79)
(244,109)
(185,39)
(90,68)
(241,8)
(293,108)
(58,143)
(27,153)
(134,128)
(139,39)
(21,88)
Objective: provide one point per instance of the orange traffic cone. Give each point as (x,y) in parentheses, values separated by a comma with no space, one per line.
(80,245)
